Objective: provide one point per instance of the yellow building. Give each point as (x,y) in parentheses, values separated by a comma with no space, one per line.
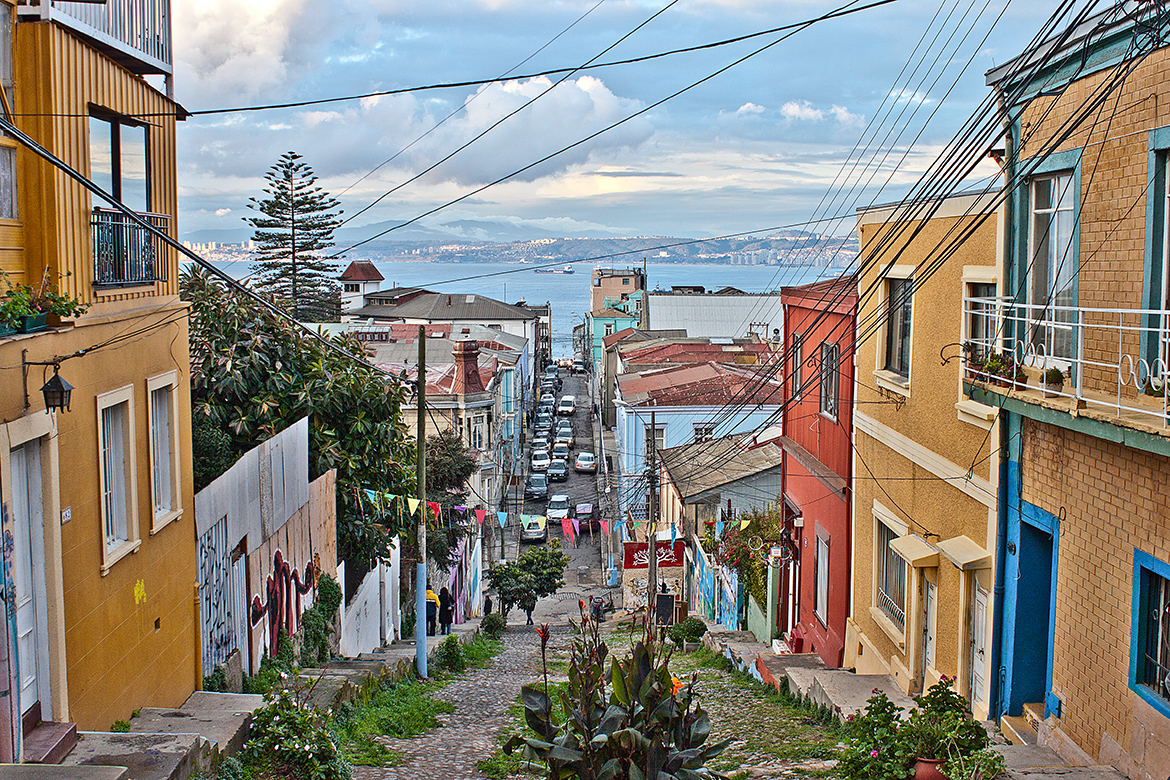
(99,496)
(924,511)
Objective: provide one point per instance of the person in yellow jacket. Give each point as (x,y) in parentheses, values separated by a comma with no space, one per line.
(432,611)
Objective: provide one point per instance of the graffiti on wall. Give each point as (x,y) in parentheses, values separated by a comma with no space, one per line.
(284,588)
(223,595)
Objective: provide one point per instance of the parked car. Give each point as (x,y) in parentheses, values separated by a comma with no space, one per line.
(540,460)
(586,517)
(544,417)
(536,487)
(561,451)
(578,366)
(565,425)
(558,508)
(563,438)
(540,443)
(532,531)
(585,463)
(558,470)
(567,406)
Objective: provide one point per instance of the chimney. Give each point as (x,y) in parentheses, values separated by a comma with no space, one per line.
(466,356)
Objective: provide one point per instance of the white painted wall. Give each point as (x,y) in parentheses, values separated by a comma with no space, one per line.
(373,616)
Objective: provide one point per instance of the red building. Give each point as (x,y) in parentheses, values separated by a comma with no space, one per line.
(820,327)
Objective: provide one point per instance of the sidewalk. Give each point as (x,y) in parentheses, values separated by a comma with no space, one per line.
(844,693)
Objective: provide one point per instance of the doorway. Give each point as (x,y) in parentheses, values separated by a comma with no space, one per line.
(1032,619)
(28,574)
(929,601)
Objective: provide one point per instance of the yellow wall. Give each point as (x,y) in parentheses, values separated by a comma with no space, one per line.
(128,638)
(915,481)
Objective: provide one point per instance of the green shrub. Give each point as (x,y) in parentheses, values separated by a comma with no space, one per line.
(216,681)
(400,709)
(120,726)
(291,739)
(689,630)
(273,667)
(230,769)
(317,622)
(449,655)
(493,625)
(212,447)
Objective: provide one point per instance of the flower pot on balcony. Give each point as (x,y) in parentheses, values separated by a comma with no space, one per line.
(31,323)
(928,769)
(1051,390)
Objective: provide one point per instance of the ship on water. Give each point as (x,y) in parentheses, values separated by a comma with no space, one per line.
(568,269)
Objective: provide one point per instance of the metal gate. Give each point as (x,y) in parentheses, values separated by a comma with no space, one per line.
(223,595)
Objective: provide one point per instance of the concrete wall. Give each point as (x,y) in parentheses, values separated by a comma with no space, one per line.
(373,616)
(716,316)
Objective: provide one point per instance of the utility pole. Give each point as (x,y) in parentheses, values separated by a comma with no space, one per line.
(652,572)
(420,598)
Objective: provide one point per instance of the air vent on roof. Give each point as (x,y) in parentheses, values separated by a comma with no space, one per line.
(470,299)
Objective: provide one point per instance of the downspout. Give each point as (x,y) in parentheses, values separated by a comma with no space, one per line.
(997,693)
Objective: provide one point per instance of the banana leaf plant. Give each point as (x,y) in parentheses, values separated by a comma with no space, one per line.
(618,719)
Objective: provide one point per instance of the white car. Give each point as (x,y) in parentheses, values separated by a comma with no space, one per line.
(540,460)
(558,509)
(585,463)
(567,406)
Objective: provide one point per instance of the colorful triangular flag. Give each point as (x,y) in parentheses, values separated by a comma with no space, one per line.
(503,518)
(743,524)
(673,533)
(461,510)
(540,521)
(372,496)
(434,507)
(413,503)
(576,526)
(567,528)
(605,527)
(718,529)
(479,513)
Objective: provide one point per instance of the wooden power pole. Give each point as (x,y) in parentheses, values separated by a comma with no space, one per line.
(420,600)
(652,565)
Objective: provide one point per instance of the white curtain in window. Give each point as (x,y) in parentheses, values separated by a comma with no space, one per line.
(162,442)
(113,420)
(822,578)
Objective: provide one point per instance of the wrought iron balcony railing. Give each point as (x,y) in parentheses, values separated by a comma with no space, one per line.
(124,252)
(1115,359)
(136,33)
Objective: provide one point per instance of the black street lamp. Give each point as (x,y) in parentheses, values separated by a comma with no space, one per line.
(56,392)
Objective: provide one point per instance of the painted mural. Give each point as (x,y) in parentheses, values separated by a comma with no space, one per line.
(728,607)
(10,721)
(223,595)
(285,598)
(671,571)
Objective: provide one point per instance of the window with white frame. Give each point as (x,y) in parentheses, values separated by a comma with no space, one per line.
(899,315)
(478,436)
(164,449)
(981,318)
(352,287)
(1052,263)
(830,386)
(797,361)
(821,593)
(704,432)
(891,577)
(609,328)
(116,476)
(655,437)
(7,145)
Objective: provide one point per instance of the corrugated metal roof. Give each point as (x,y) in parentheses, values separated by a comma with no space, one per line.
(445,307)
(697,468)
(702,384)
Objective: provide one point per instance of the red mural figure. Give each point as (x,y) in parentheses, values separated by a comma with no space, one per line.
(284,587)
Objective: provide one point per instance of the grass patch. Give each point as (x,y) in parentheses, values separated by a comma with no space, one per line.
(480,651)
(400,709)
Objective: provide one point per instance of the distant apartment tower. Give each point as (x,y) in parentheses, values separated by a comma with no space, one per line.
(612,285)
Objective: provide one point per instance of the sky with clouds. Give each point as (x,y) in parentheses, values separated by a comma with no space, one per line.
(756,146)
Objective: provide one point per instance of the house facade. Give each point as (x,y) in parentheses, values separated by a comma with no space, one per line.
(99,495)
(1083,554)
(924,531)
(723,313)
(820,321)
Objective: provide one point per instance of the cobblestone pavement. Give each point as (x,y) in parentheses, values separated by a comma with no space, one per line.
(469,734)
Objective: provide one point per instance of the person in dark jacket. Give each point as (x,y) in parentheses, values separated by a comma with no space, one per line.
(487,604)
(432,611)
(445,611)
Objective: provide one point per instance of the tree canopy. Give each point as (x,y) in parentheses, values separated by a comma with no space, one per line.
(294,221)
(254,373)
(538,572)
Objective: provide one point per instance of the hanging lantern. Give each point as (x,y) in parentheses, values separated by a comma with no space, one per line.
(56,392)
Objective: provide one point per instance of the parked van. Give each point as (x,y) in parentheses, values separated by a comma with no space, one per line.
(567,406)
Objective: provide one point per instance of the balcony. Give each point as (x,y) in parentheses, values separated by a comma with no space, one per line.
(1115,362)
(135,33)
(125,254)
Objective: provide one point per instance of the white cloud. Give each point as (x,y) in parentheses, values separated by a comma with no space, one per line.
(750,108)
(846,117)
(801,110)
(222,212)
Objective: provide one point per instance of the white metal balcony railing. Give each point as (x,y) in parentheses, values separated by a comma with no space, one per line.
(124,252)
(1117,359)
(137,33)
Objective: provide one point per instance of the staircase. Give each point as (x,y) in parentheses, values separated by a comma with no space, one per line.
(1023,729)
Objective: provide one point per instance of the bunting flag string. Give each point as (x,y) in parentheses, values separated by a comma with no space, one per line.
(743,524)
(434,507)
(540,521)
(503,518)
(479,514)
(567,529)
(576,526)
(413,504)
(718,529)
(605,527)
(461,510)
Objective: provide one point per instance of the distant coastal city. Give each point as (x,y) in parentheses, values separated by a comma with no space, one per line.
(790,248)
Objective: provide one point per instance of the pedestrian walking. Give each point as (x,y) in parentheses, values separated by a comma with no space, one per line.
(432,611)
(445,611)
(487,604)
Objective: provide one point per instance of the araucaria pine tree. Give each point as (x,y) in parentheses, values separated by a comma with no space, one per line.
(295,222)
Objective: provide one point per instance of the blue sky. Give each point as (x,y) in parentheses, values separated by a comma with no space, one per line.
(755,147)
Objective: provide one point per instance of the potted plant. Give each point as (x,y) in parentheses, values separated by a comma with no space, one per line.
(1052,383)
(972,359)
(25,309)
(996,369)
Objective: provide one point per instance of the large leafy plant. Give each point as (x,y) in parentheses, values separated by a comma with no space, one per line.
(624,719)
(254,373)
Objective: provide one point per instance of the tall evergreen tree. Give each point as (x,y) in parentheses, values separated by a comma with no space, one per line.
(296,220)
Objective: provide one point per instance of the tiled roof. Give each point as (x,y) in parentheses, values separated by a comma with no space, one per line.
(660,351)
(444,307)
(361,271)
(839,293)
(703,384)
(697,468)
(634,334)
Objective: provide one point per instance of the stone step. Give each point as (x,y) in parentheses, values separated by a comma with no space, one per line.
(1018,730)
(43,772)
(845,693)
(145,756)
(1034,714)
(222,719)
(48,743)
